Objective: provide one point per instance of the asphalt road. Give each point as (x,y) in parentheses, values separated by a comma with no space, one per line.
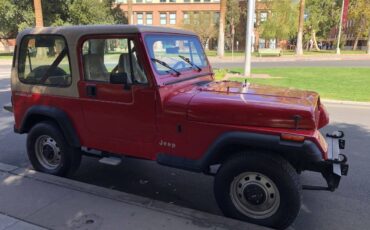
(346,208)
(298,63)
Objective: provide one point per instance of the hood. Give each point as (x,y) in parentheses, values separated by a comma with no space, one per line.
(235,103)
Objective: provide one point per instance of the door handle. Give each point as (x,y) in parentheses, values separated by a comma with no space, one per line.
(91,90)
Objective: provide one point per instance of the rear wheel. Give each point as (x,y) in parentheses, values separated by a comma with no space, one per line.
(258,188)
(49,152)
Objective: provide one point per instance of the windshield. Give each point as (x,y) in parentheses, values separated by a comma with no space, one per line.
(171,50)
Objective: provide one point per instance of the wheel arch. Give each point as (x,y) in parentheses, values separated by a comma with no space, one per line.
(231,143)
(40,113)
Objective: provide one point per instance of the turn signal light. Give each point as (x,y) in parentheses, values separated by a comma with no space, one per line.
(291,137)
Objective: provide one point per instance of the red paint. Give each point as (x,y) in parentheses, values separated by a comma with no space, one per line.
(134,122)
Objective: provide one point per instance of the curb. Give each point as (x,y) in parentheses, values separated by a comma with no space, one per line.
(351,103)
(201,218)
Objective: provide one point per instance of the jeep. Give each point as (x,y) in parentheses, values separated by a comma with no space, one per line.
(114,91)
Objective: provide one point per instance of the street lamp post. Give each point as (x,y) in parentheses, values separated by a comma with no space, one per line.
(340,28)
(248,38)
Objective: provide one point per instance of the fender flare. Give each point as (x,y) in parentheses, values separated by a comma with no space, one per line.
(306,151)
(54,114)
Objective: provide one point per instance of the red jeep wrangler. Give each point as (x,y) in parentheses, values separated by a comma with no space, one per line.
(150,93)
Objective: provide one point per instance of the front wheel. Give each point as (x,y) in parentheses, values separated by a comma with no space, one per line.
(258,188)
(49,152)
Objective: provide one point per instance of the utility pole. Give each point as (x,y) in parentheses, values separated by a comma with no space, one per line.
(340,28)
(248,38)
(299,48)
(38,13)
(130,17)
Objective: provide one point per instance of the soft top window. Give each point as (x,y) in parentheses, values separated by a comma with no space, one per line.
(43,60)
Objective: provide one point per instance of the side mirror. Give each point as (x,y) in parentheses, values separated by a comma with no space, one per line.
(120,79)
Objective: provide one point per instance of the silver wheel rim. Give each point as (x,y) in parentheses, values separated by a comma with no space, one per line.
(255,195)
(47,152)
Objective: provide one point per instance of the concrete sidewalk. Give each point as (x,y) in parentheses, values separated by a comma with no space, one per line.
(33,200)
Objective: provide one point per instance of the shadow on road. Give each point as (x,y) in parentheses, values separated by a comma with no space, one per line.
(196,190)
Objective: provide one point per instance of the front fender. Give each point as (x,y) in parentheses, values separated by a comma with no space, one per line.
(306,151)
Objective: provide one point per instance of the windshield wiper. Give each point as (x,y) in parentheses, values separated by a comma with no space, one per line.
(190,63)
(166,65)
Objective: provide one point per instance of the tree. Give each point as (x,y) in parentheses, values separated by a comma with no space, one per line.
(282,22)
(359,13)
(299,48)
(323,15)
(233,15)
(221,30)
(203,25)
(368,43)
(84,12)
(14,17)
(38,13)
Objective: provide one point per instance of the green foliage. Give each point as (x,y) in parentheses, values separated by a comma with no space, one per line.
(323,15)
(283,22)
(233,14)
(15,15)
(84,12)
(202,24)
(359,13)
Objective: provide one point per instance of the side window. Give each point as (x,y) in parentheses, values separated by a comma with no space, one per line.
(108,59)
(43,60)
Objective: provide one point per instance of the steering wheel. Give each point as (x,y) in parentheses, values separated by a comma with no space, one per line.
(180,64)
(39,72)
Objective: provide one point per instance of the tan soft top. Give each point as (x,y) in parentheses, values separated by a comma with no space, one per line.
(75,32)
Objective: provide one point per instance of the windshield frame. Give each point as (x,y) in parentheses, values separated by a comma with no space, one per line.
(183,71)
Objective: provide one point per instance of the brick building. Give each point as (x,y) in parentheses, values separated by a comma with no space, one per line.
(175,13)
(171,13)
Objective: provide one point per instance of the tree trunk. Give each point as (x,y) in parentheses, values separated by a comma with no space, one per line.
(315,40)
(368,44)
(38,13)
(299,48)
(356,42)
(221,31)
(129,12)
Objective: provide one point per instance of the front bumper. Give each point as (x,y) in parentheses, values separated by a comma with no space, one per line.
(335,166)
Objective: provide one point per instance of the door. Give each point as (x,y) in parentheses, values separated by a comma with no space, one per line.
(117,100)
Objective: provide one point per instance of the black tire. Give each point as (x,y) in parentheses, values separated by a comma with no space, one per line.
(70,157)
(284,179)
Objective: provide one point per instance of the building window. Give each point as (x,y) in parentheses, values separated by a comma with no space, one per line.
(163,18)
(172,18)
(186,18)
(172,0)
(149,18)
(206,0)
(263,16)
(163,1)
(216,17)
(186,0)
(139,1)
(139,17)
(196,0)
(149,1)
